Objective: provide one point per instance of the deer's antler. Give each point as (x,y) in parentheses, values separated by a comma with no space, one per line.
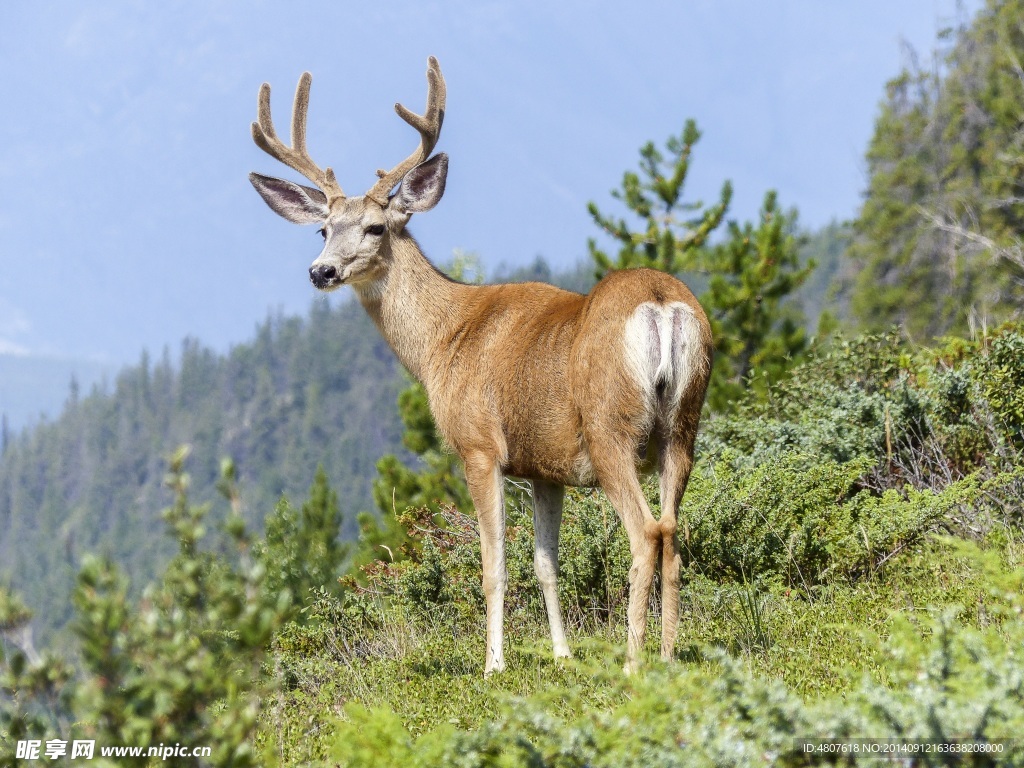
(429,127)
(296,156)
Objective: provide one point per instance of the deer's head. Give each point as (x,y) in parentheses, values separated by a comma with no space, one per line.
(357,231)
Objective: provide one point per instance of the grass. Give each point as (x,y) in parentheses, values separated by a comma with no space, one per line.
(429,673)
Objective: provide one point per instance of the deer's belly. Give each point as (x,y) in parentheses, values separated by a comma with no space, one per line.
(565,463)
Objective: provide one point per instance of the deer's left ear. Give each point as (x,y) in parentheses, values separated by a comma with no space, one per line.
(423,186)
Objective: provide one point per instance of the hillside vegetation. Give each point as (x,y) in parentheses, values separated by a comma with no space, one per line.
(938,245)
(855,566)
(303,393)
(827,566)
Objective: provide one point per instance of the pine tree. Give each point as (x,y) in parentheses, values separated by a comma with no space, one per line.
(182,666)
(303,550)
(750,276)
(938,245)
(757,335)
(672,232)
(440,479)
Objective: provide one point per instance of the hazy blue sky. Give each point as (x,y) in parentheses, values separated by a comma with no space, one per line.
(126,220)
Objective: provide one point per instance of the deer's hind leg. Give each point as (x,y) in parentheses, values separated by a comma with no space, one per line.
(675,460)
(614,465)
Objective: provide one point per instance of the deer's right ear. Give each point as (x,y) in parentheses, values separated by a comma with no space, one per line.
(298,204)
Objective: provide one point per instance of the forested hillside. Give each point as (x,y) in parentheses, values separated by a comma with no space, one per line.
(938,244)
(304,392)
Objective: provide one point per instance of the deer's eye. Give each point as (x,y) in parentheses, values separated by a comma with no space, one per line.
(376,229)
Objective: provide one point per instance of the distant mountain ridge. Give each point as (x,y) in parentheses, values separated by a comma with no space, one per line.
(32,386)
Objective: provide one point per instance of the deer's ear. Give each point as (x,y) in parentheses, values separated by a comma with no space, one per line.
(298,204)
(423,186)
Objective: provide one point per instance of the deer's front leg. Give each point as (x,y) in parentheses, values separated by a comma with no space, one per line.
(483,476)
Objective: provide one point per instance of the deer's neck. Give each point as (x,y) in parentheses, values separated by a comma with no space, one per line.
(413,304)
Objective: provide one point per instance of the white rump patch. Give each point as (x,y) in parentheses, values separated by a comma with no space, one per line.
(662,343)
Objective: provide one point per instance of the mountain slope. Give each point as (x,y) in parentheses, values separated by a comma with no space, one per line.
(319,390)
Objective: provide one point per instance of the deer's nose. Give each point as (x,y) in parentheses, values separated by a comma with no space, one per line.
(322,275)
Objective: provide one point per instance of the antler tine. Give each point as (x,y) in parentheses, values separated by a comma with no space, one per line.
(429,126)
(296,156)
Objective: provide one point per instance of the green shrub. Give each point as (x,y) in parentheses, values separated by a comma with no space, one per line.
(835,406)
(779,522)
(924,419)
(440,578)
(1000,378)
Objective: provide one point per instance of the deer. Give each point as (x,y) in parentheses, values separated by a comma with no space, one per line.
(524,380)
